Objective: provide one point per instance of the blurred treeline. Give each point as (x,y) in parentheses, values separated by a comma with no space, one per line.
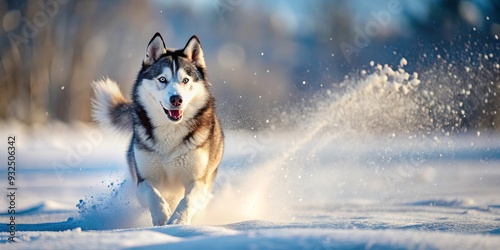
(260,54)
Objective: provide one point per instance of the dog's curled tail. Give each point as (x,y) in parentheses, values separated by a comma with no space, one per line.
(109,108)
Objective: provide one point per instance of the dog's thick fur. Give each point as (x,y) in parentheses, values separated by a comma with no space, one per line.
(177,140)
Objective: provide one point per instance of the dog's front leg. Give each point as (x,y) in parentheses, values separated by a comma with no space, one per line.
(195,197)
(150,196)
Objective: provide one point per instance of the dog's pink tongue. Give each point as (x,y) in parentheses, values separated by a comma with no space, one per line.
(176,114)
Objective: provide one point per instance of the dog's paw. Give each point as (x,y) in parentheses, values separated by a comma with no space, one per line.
(160,215)
(159,220)
(178,219)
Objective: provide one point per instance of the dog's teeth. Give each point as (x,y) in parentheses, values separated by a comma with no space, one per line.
(175,114)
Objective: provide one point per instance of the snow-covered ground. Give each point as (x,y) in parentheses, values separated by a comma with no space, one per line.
(361,170)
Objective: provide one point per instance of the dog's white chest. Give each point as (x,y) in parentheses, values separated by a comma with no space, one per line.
(182,166)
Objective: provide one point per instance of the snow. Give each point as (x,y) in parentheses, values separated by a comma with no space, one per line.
(355,172)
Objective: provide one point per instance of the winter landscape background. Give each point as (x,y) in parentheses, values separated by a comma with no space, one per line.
(349,124)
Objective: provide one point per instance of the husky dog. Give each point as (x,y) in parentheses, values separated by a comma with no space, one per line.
(177,141)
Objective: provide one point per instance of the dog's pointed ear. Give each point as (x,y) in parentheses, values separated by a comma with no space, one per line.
(194,52)
(156,48)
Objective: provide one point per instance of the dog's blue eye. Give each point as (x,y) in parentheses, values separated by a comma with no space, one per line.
(162,79)
(185,80)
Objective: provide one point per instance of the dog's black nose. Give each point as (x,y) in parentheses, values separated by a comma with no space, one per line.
(176,100)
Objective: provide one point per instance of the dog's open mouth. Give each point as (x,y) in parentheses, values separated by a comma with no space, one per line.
(174,115)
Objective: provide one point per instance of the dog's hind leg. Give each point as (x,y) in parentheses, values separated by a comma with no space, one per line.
(196,197)
(150,196)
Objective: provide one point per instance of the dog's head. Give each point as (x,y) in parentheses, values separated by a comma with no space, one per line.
(175,80)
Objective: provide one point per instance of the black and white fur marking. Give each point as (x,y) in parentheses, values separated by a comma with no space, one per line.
(177,141)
